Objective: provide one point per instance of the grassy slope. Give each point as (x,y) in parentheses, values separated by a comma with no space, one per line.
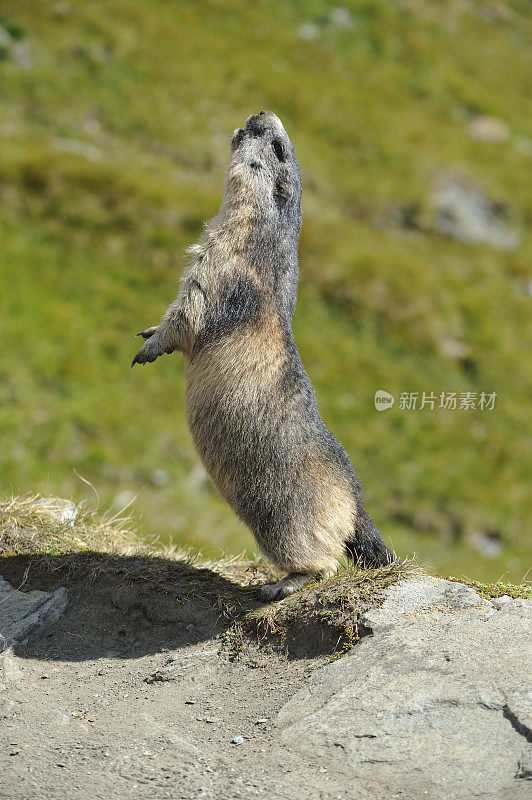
(92,247)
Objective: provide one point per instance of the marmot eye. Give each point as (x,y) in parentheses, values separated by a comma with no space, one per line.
(278,149)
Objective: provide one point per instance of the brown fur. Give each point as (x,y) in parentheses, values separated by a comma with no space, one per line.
(250,406)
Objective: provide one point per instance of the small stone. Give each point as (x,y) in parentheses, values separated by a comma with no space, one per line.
(198,477)
(462,210)
(159,477)
(189,702)
(487,543)
(524,145)
(237,740)
(341,18)
(308,31)
(489,129)
(261,721)
(123,499)
(58,508)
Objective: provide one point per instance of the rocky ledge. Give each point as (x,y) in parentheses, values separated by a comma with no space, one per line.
(433,701)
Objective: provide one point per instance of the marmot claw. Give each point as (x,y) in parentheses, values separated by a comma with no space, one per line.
(148,332)
(150,350)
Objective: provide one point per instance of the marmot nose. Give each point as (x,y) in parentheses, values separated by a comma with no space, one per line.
(258,123)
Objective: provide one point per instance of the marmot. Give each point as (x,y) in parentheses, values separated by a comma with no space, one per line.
(250,406)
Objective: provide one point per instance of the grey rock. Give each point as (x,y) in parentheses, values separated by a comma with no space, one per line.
(309,31)
(487,543)
(489,129)
(192,667)
(78,147)
(58,508)
(433,703)
(341,17)
(464,212)
(19,51)
(23,612)
(159,477)
(525,764)
(5,38)
(10,672)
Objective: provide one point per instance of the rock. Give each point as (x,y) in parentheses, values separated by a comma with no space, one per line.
(525,764)
(23,612)
(308,31)
(341,17)
(489,129)
(22,55)
(524,145)
(16,48)
(237,740)
(123,499)
(464,212)
(10,672)
(488,543)
(197,665)
(454,349)
(198,478)
(58,508)
(5,38)
(159,477)
(432,703)
(77,147)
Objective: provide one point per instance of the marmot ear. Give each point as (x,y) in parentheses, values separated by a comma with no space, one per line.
(282,191)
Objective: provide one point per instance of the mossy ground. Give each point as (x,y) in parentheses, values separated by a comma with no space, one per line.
(115,131)
(498,589)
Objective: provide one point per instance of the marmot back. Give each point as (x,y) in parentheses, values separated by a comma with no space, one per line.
(251,408)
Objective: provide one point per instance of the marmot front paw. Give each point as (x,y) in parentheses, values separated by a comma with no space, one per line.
(151,349)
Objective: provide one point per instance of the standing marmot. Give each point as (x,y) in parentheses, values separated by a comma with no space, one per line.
(250,405)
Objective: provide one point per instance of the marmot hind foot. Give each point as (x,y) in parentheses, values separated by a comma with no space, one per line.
(277,590)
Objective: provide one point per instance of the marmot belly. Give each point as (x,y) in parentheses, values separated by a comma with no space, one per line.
(269,455)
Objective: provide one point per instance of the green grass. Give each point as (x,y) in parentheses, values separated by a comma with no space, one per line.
(499,589)
(113,147)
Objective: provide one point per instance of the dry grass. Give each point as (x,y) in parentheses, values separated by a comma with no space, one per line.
(324,618)
(31,526)
(325,615)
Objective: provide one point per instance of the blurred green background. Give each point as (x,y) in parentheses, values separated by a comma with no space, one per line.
(412,123)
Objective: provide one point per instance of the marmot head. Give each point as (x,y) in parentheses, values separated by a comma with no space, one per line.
(263,175)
